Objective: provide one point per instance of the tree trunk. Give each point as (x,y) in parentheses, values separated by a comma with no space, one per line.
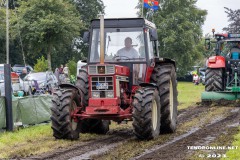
(49,57)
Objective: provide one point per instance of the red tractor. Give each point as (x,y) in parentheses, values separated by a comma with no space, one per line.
(116,84)
(222,78)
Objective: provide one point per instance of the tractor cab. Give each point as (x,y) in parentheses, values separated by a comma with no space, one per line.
(131,43)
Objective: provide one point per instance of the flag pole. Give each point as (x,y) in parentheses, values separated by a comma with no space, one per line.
(142,8)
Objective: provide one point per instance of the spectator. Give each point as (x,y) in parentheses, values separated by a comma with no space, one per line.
(57,74)
(195,79)
(66,70)
(23,74)
(61,69)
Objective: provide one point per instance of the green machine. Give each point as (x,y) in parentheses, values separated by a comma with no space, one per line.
(222,76)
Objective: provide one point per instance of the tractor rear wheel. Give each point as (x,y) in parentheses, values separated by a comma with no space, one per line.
(95,126)
(214,79)
(65,102)
(82,84)
(146,113)
(164,76)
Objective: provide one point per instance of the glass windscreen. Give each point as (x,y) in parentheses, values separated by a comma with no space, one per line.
(226,47)
(121,44)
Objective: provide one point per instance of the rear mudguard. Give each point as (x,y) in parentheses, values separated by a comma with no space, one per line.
(68,85)
(216,62)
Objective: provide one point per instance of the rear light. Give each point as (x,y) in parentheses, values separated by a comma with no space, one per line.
(212,59)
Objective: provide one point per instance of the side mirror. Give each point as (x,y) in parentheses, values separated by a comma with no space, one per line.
(86,37)
(153,34)
(207,44)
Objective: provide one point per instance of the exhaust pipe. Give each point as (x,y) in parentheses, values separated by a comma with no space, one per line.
(101,39)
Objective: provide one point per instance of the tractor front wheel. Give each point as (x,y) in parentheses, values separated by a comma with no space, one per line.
(146,113)
(164,76)
(64,104)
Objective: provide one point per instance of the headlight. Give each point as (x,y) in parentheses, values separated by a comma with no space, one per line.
(109,94)
(96,94)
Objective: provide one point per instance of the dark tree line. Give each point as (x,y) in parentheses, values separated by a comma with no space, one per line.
(45,27)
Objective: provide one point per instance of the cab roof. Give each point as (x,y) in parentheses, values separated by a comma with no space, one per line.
(123,23)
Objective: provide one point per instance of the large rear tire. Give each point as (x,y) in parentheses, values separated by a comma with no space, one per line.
(64,103)
(214,79)
(146,113)
(164,76)
(82,84)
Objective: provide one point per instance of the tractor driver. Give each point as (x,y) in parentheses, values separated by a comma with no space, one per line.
(127,52)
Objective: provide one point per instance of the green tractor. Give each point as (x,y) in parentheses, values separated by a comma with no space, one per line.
(222,78)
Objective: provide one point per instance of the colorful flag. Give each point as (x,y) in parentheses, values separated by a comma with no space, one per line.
(153,4)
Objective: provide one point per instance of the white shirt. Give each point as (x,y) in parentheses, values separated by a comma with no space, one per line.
(127,54)
(195,77)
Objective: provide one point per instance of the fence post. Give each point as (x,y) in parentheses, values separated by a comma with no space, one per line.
(8,97)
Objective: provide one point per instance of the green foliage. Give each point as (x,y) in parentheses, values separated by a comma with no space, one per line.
(47,25)
(41,65)
(179,32)
(235,153)
(72,66)
(2,35)
(73,79)
(88,11)
(2,24)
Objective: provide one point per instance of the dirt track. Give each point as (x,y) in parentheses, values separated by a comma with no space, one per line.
(198,126)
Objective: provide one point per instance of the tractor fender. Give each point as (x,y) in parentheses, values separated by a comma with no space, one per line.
(68,85)
(216,62)
(165,60)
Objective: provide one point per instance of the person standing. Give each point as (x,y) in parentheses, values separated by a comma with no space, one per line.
(66,70)
(61,69)
(196,79)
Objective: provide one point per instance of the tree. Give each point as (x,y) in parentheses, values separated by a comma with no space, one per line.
(47,25)
(41,65)
(234,19)
(179,31)
(2,35)
(88,11)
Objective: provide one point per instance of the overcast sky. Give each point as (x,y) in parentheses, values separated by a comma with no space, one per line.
(216,17)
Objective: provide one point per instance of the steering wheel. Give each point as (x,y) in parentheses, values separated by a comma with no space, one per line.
(120,58)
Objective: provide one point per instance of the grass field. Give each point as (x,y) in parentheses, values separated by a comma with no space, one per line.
(189,94)
(234,154)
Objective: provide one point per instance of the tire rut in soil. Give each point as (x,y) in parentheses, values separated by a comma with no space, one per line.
(117,136)
(81,148)
(179,148)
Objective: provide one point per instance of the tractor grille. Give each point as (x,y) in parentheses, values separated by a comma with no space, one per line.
(107,69)
(102,85)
